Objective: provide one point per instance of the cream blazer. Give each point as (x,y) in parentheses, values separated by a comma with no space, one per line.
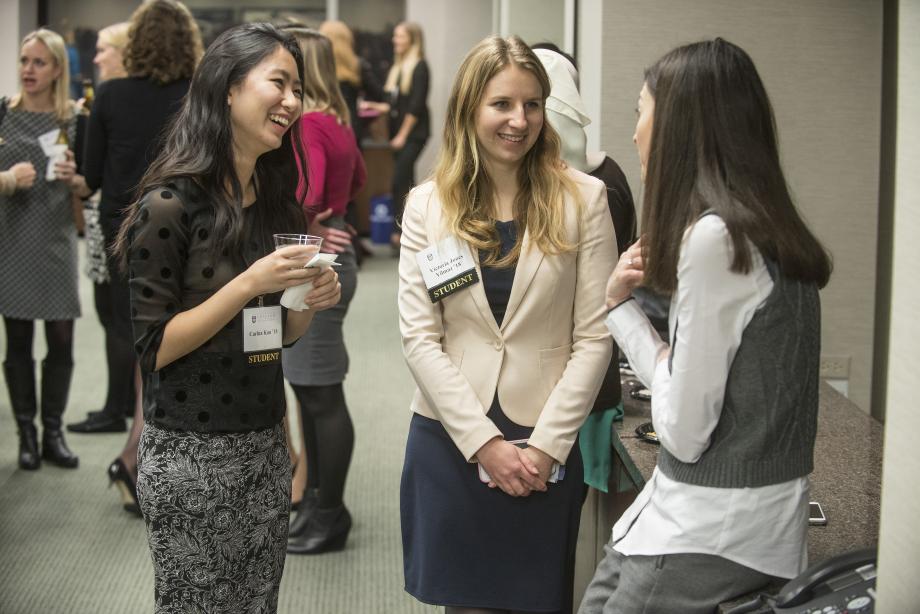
(547,359)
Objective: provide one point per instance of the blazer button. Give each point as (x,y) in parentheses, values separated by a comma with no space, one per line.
(498,345)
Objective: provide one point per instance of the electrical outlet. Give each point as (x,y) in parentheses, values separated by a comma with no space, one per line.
(835,367)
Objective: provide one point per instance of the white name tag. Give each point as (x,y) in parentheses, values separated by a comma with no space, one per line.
(261,329)
(447,268)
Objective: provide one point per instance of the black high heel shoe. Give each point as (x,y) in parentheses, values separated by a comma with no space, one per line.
(326,531)
(120,477)
(304,509)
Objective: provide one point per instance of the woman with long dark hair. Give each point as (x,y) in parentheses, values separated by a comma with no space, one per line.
(214,475)
(735,393)
(38,245)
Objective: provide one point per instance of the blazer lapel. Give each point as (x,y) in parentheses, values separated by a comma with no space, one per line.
(478,292)
(527,265)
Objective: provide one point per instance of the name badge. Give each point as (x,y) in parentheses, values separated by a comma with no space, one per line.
(262,335)
(447,267)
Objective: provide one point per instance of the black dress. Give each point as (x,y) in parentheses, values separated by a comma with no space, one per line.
(467,545)
(123,138)
(414,102)
(214,480)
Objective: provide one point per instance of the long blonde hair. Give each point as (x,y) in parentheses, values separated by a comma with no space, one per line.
(60,88)
(320,86)
(467,192)
(347,67)
(404,64)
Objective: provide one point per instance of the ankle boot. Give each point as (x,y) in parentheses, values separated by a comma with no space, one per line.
(326,531)
(305,509)
(55,389)
(20,381)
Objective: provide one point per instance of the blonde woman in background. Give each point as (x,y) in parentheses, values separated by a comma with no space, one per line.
(110,46)
(407,90)
(354,74)
(38,245)
(109,60)
(123,138)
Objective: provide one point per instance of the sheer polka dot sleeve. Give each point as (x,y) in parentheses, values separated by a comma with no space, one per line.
(159,246)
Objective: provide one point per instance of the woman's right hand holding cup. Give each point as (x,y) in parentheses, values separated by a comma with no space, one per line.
(283,268)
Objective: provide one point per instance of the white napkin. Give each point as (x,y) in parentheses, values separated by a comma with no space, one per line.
(58,154)
(55,151)
(293,297)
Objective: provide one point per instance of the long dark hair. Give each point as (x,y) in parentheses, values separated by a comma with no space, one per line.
(713,146)
(199,143)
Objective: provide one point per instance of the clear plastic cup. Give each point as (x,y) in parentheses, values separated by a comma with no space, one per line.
(283,240)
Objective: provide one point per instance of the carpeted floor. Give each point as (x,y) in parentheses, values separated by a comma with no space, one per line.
(66,546)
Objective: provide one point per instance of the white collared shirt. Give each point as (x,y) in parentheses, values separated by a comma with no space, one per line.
(763,528)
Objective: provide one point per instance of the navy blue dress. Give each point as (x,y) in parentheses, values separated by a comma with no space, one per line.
(467,545)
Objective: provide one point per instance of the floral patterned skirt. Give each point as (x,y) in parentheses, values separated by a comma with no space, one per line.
(216,507)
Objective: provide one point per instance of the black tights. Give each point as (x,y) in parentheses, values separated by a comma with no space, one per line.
(329,439)
(119,355)
(58,338)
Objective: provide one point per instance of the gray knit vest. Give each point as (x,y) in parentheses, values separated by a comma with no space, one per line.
(766,432)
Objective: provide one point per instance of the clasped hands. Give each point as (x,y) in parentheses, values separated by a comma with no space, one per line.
(284,268)
(516,471)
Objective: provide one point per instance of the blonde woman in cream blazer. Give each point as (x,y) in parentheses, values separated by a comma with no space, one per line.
(500,360)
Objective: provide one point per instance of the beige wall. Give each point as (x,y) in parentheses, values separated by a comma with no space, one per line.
(372,15)
(821,64)
(16,20)
(899,543)
(94,15)
(537,21)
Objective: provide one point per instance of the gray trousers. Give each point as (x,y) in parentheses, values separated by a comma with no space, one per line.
(666,584)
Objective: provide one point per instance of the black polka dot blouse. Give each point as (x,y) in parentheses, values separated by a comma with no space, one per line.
(171,269)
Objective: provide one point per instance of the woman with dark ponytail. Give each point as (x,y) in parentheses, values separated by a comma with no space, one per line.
(735,393)
(214,472)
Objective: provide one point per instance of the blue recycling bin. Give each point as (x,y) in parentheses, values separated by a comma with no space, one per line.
(381,219)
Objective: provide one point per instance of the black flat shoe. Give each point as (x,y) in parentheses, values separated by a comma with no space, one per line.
(120,477)
(326,531)
(98,423)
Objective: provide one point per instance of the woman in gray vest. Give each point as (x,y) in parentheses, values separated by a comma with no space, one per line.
(735,393)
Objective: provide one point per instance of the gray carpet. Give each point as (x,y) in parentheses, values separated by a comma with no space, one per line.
(66,546)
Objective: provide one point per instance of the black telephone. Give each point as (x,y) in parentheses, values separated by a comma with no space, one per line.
(842,584)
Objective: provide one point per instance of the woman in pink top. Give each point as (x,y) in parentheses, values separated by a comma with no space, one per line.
(316,365)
